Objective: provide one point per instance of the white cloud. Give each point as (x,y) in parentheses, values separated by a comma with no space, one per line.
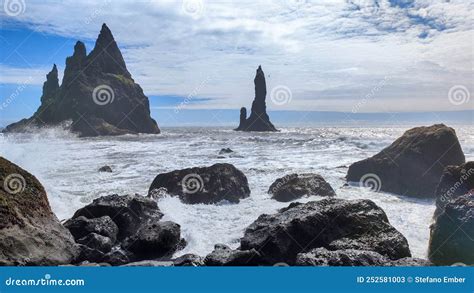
(329,53)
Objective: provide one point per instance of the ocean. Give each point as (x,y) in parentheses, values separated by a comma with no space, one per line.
(68,168)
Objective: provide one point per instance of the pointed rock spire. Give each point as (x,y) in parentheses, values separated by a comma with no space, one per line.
(79,50)
(51,85)
(258,120)
(106,56)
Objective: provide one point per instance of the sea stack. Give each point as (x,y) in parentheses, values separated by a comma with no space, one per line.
(98,95)
(258,120)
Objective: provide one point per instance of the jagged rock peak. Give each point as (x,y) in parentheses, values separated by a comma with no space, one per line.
(52,76)
(81,97)
(106,56)
(79,49)
(52,82)
(258,119)
(105,36)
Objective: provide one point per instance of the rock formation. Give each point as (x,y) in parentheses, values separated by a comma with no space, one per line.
(455,181)
(258,120)
(97,94)
(203,184)
(452,233)
(413,164)
(224,256)
(353,257)
(121,229)
(334,224)
(30,233)
(294,186)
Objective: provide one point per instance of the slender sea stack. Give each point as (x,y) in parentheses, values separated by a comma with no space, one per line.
(258,120)
(98,94)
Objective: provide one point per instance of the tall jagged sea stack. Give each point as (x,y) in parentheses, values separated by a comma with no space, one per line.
(98,94)
(258,120)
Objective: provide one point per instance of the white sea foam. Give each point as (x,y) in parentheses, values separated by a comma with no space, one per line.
(67,166)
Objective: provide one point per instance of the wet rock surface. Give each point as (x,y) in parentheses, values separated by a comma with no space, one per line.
(30,233)
(413,164)
(224,256)
(452,233)
(334,224)
(294,186)
(455,181)
(121,229)
(204,184)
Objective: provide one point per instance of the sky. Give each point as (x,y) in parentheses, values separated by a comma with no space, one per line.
(357,57)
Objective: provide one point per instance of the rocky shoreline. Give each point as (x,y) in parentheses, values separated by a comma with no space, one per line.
(130,230)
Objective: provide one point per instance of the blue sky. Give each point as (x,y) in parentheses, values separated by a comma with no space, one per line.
(337,56)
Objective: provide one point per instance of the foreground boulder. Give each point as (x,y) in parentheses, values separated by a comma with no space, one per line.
(224,256)
(98,94)
(456,181)
(258,119)
(121,229)
(413,164)
(353,257)
(452,233)
(333,224)
(203,184)
(344,257)
(155,239)
(128,212)
(30,233)
(294,186)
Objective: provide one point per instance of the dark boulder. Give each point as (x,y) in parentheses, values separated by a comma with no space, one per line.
(188,260)
(409,262)
(353,257)
(107,169)
(88,254)
(294,186)
(154,239)
(98,94)
(128,212)
(30,233)
(452,233)
(345,257)
(224,256)
(225,151)
(121,229)
(331,223)
(413,164)
(117,257)
(456,181)
(204,184)
(96,241)
(258,119)
(82,226)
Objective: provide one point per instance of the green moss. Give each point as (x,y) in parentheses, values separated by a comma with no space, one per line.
(123,79)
